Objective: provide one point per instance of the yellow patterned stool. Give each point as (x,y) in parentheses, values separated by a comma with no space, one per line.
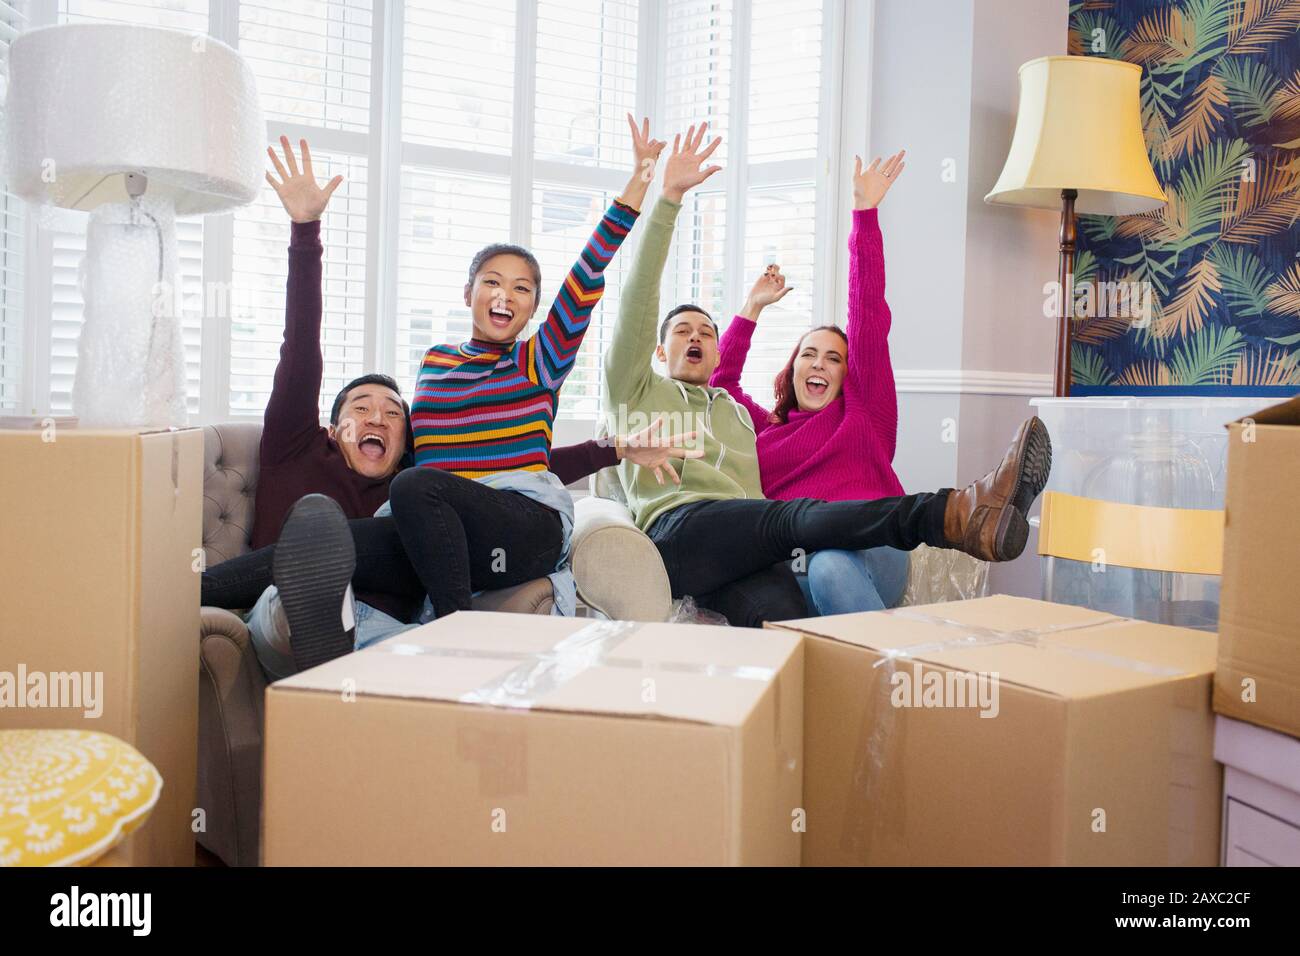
(69,796)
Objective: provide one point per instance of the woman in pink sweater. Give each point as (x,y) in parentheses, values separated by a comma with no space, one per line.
(833,430)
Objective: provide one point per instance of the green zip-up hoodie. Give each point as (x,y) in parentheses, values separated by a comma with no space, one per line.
(634,395)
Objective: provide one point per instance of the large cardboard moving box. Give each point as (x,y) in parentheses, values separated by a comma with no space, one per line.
(100,532)
(1258,678)
(1005,731)
(513,739)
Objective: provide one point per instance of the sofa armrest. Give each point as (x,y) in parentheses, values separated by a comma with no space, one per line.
(231,688)
(617,567)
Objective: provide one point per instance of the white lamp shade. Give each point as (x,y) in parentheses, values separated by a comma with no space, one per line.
(1079,127)
(90,102)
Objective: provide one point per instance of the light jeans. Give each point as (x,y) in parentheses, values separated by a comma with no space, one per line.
(847,582)
(269,628)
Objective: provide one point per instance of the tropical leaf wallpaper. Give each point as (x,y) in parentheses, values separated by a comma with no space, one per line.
(1221,110)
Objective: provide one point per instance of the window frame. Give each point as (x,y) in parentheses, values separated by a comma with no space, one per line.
(842,130)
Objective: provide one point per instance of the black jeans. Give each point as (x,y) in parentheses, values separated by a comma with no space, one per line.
(448,537)
(724,553)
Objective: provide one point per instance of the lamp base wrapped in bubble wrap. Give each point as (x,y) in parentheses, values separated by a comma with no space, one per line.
(130,358)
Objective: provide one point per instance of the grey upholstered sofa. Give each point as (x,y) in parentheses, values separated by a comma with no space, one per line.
(619,575)
(618,570)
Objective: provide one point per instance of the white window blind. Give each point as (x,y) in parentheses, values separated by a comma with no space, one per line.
(311,58)
(12,238)
(697,88)
(563,220)
(68,234)
(260,270)
(775,165)
(446,217)
(459,85)
(586,80)
(458,74)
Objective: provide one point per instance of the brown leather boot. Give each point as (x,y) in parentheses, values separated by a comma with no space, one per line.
(986,519)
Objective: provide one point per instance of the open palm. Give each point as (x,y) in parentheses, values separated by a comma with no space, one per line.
(683,170)
(299,193)
(871,184)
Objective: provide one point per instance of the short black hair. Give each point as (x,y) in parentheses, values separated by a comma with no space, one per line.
(685,307)
(378,378)
(507,249)
(374,378)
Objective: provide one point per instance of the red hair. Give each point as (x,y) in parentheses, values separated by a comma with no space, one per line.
(784,384)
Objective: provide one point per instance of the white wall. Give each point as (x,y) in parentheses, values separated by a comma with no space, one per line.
(964,278)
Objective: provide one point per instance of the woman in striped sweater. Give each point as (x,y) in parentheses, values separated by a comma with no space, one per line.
(482,510)
(834,428)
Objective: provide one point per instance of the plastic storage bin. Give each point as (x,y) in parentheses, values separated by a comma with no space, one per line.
(1161,452)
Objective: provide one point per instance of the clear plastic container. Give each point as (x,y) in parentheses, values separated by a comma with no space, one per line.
(1162,452)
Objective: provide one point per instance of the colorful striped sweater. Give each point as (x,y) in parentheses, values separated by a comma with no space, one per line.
(481,408)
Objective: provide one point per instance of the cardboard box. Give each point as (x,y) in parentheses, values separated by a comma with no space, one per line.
(508,739)
(100,530)
(1258,678)
(1097,747)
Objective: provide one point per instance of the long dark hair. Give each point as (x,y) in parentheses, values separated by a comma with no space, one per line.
(784,384)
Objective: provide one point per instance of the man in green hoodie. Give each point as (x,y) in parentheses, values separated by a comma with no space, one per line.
(721,541)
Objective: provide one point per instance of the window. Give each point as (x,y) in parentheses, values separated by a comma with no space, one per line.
(457,125)
(12,241)
(771,164)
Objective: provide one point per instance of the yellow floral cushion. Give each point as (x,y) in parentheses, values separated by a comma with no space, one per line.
(69,796)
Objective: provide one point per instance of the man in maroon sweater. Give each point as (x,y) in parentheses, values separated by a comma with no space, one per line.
(313,479)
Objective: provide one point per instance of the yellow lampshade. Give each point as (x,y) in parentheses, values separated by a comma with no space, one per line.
(1079,127)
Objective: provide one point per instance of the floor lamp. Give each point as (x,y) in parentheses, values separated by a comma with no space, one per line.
(1078,147)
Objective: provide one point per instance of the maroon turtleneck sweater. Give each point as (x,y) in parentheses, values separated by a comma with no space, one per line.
(298,457)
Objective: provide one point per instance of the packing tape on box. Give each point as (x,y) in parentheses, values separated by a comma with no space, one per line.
(502,755)
(1181,540)
(881,737)
(538,673)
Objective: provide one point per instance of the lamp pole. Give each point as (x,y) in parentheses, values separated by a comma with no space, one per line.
(1065,275)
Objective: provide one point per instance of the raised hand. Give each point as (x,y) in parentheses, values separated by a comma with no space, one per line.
(651,448)
(871,184)
(770,287)
(682,171)
(645,152)
(645,149)
(302,199)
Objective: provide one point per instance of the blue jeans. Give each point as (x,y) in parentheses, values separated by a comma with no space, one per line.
(269,629)
(846,582)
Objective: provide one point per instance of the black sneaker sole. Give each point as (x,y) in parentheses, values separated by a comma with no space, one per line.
(313,565)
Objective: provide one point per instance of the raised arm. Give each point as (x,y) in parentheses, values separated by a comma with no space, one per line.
(869,377)
(627,358)
(551,352)
(292,417)
(734,347)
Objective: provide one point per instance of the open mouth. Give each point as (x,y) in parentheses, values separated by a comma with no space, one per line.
(501,318)
(694,354)
(372,446)
(816,385)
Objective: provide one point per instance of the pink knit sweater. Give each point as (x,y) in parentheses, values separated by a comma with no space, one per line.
(845,451)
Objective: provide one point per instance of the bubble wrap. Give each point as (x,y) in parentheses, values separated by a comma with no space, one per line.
(935,575)
(130,357)
(88,101)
